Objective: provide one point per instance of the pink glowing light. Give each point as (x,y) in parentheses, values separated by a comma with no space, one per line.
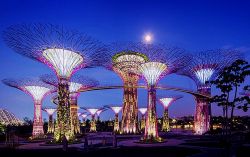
(92,111)
(143,110)
(116,109)
(84,115)
(166,102)
(50,111)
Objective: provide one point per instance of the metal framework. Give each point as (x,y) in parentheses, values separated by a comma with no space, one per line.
(50,111)
(125,61)
(116,110)
(98,113)
(76,83)
(205,66)
(166,102)
(37,90)
(143,112)
(168,61)
(63,50)
(92,111)
(83,115)
(9,119)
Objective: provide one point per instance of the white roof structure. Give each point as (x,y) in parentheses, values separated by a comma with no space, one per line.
(7,118)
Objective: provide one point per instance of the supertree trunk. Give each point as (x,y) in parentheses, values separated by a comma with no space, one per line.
(130,107)
(116,124)
(75,126)
(151,130)
(165,121)
(63,124)
(38,131)
(202,118)
(50,124)
(142,126)
(93,124)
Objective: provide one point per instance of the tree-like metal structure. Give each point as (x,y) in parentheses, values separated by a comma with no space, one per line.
(83,115)
(168,61)
(37,90)
(9,119)
(50,111)
(125,61)
(63,50)
(142,123)
(92,111)
(116,110)
(204,67)
(76,83)
(166,102)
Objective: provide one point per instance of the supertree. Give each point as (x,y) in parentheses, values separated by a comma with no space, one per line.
(124,60)
(166,102)
(76,83)
(168,61)
(63,50)
(116,110)
(83,115)
(202,68)
(143,112)
(37,90)
(92,111)
(50,111)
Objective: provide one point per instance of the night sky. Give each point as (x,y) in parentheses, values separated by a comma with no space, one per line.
(192,25)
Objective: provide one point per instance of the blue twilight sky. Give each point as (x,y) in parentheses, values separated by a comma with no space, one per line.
(193,25)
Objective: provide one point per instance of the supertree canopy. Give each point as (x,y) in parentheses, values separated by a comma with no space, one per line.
(50,111)
(37,90)
(168,61)
(125,61)
(9,119)
(206,66)
(116,110)
(63,50)
(142,111)
(76,83)
(166,102)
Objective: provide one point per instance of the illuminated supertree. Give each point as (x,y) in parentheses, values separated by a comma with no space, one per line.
(166,102)
(92,111)
(50,111)
(76,83)
(83,115)
(168,61)
(206,66)
(37,90)
(143,111)
(125,61)
(116,110)
(63,50)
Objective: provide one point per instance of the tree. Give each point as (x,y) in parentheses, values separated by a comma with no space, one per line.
(229,82)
